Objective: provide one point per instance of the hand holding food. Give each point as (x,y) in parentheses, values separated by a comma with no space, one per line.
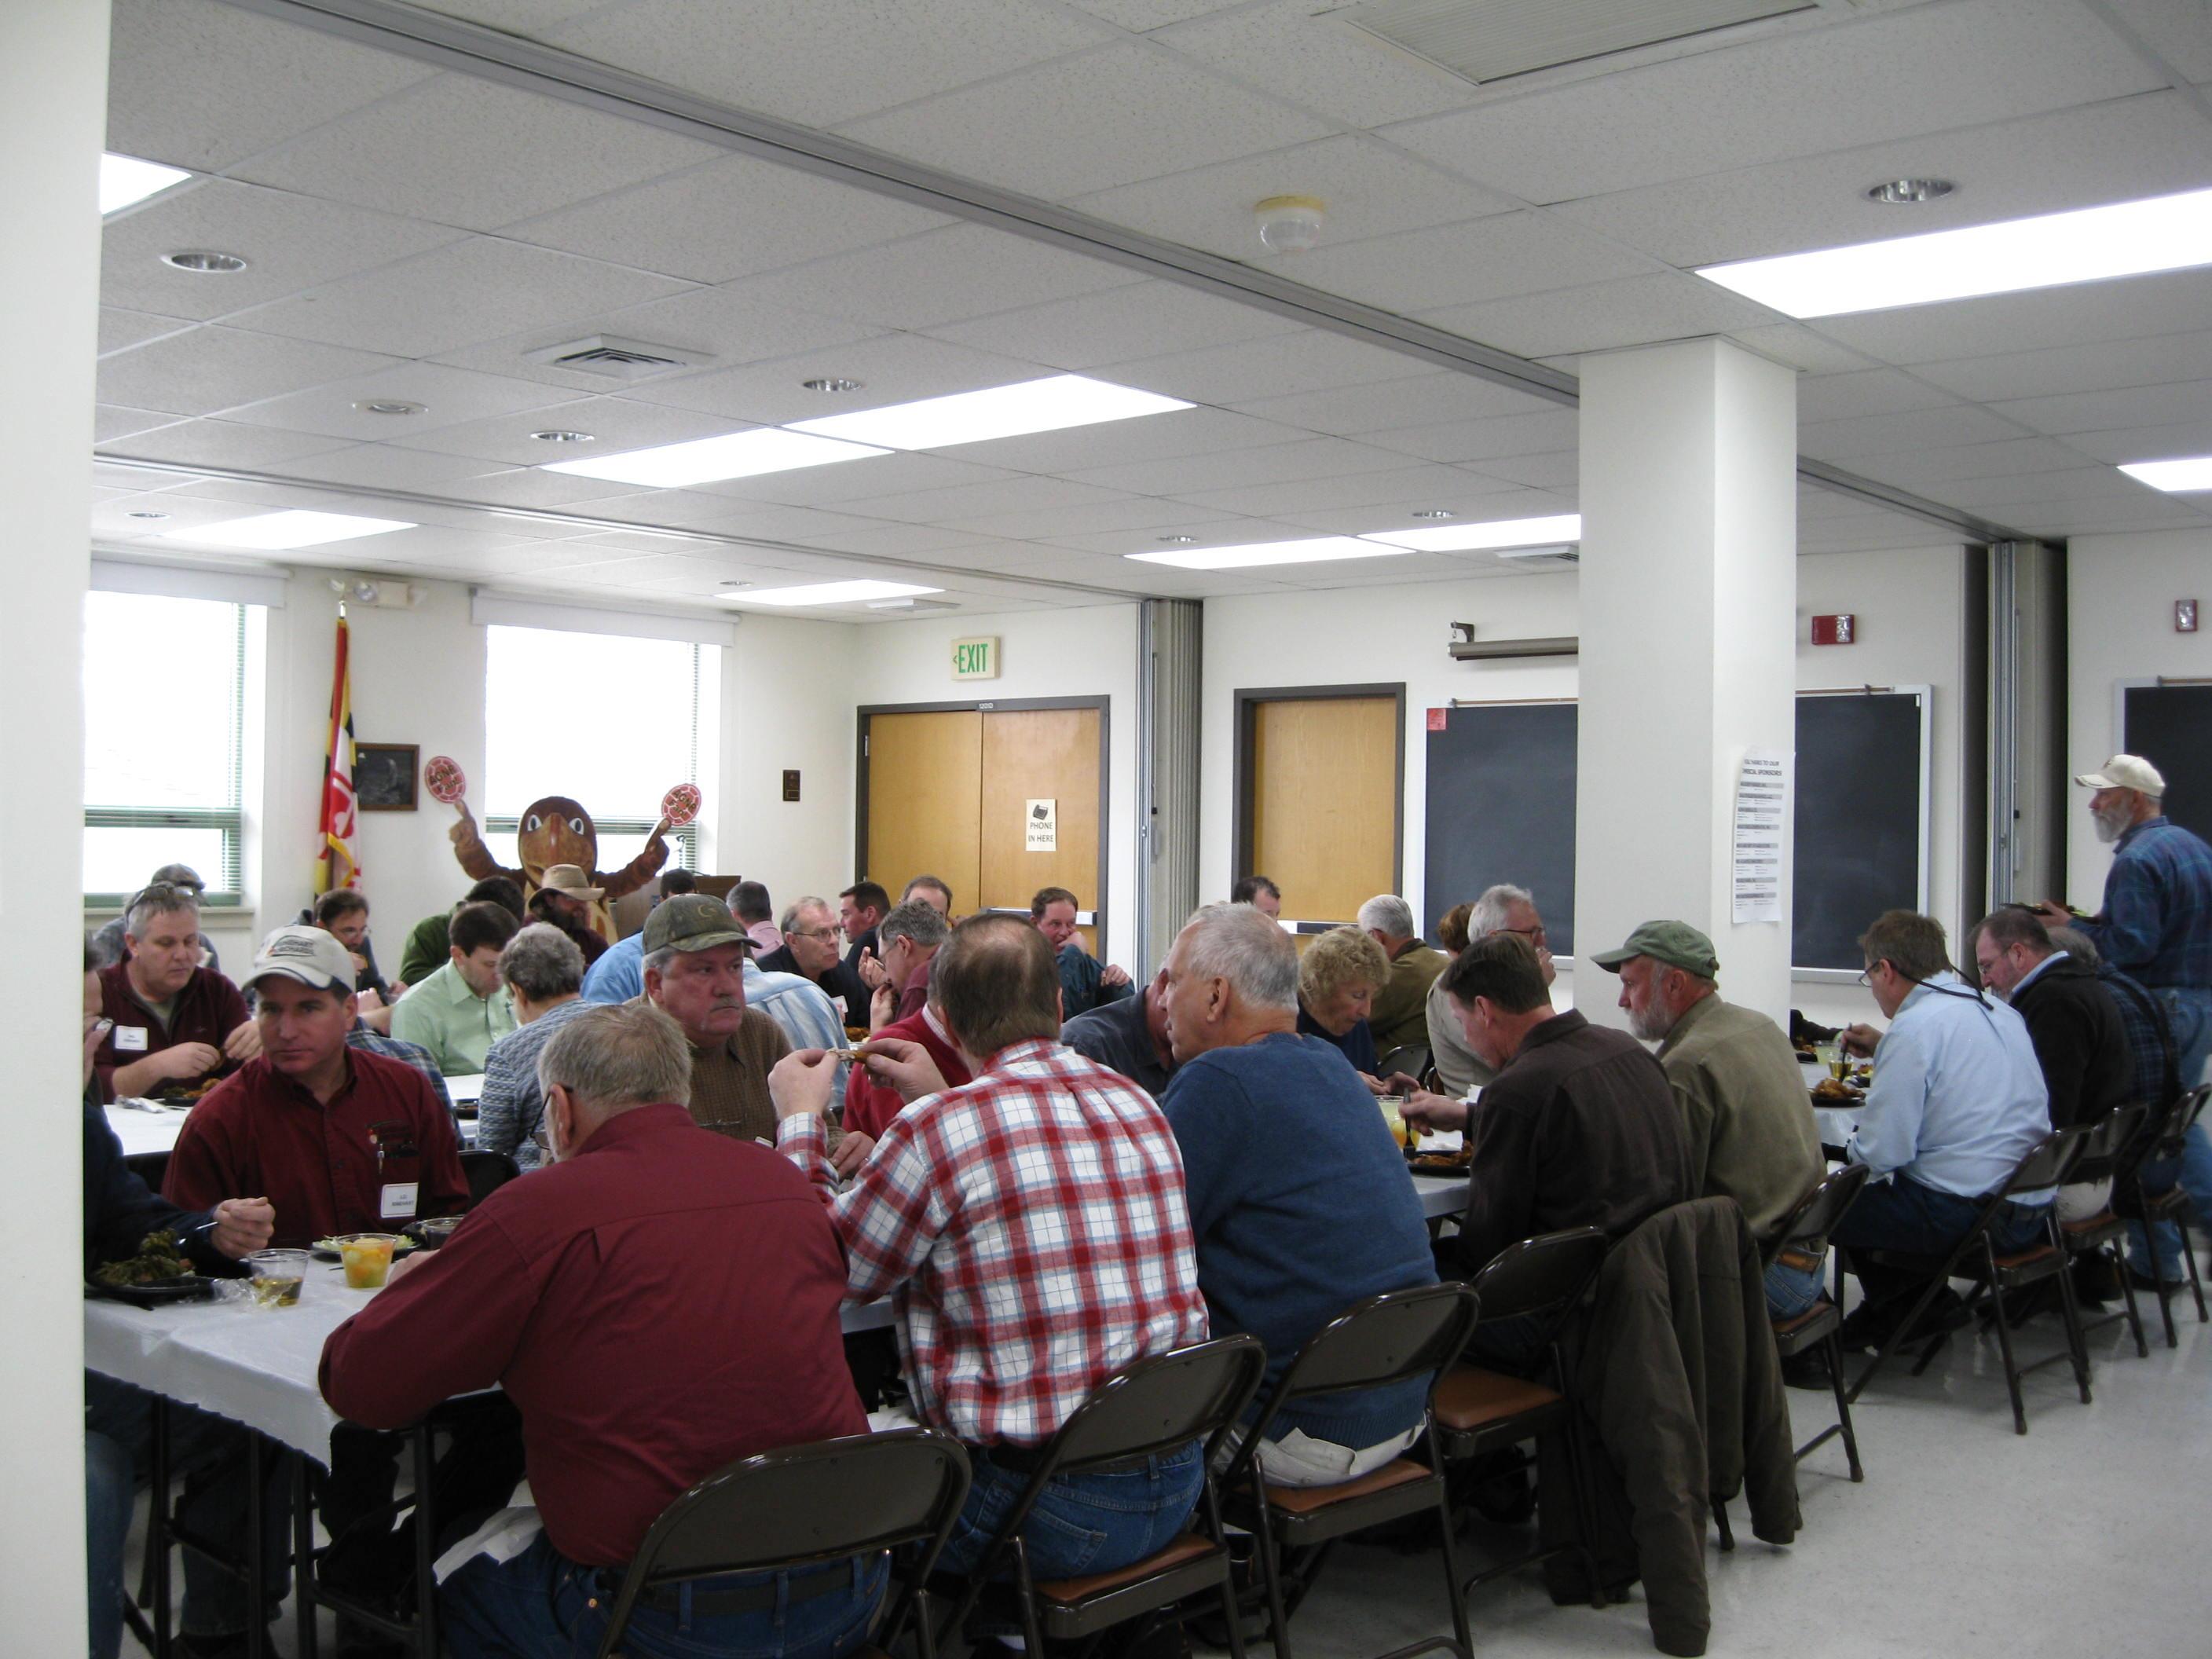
(882,1007)
(185,1059)
(1429,1111)
(873,974)
(902,1066)
(800,1083)
(244,1043)
(1860,1040)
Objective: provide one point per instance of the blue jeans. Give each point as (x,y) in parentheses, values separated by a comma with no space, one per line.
(1083,1523)
(541,1605)
(2188,1012)
(1790,1291)
(1901,1214)
(210,1453)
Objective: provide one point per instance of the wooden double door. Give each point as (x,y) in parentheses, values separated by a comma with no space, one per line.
(951,791)
(1321,795)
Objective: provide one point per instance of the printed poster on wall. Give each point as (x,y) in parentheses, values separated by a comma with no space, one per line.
(1040,827)
(1762,790)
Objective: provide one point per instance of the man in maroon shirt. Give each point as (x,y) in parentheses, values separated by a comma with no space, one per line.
(340,1140)
(177,1025)
(870,1105)
(657,1302)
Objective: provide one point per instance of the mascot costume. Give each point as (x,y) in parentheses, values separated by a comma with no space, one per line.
(556,830)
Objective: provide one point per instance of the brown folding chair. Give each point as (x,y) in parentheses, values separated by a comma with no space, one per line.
(1805,1229)
(1975,1257)
(1479,1410)
(807,1506)
(1155,1406)
(2104,1234)
(1383,1340)
(2168,1204)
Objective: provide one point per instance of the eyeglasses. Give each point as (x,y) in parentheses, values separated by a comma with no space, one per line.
(1534,935)
(543,1141)
(810,932)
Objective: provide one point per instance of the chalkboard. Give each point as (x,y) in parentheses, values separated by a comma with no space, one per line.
(1502,809)
(1861,829)
(2171,727)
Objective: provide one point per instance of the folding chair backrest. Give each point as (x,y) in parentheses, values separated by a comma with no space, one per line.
(486,1173)
(1383,1340)
(2108,1138)
(1411,1058)
(1539,1275)
(1820,1209)
(2184,1113)
(2048,1161)
(810,1503)
(1161,1403)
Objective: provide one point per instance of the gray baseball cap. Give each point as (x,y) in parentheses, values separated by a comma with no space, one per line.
(692,921)
(1675,943)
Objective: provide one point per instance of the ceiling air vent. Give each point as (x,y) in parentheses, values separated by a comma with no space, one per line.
(616,359)
(1485,40)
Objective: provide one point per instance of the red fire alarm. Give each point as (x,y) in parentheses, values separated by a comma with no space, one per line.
(1838,629)
(2184,615)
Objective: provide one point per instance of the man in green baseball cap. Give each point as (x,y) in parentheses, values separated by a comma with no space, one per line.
(694,973)
(1745,1108)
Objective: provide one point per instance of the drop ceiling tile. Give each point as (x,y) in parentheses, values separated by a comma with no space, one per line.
(450,397)
(1311,360)
(734,216)
(1058,523)
(462,150)
(1312,457)
(1638,311)
(1558,470)
(786,60)
(2175,29)
(893,540)
(1439,396)
(1368,188)
(1864,392)
(199,84)
(968,502)
(892,368)
(1506,253)
(1929,471)
(941,277)
(458,295)
(2169,512)
(1088,123)
(2083,313)
(527,487)
(1298,51)
(377,466)
(108,473)
(1142,15)
(113,420)
(112,518)
(2109,411)
(2170,441)
(1355,503)
(120,330)
(1924,69)
(1139,318)
(1483,441)
(221,443)
(1918,429)
(1799,347)
(2062,369)
(211,367)
(2080,486)
(288,242)
(2107,152)
(878,475)
(1215,529)
(1178,433)
(530,18)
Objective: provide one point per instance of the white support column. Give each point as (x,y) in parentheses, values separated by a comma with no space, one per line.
(53,106)
(1689,586)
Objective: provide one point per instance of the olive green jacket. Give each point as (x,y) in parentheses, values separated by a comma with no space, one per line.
(1401,1011)
(1744,1104)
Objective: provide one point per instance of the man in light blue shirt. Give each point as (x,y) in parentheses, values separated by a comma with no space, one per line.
(794,1002)
(619,974)
(1957,1100)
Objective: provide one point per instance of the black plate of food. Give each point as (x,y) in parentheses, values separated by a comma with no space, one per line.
(1438,1163)
(190,1287)
(156,1275)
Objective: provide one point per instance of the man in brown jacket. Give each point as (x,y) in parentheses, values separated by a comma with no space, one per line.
(694,973)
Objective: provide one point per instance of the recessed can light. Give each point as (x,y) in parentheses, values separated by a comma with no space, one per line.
(831,383)
(147,515)
(200,259)
(560,436)
(1179,541)
(388,406)
(1902,192)
(1435,513)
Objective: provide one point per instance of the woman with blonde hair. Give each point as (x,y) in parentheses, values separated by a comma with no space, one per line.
(1337,978)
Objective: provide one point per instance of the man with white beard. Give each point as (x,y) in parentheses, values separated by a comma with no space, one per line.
(1746,1114)
(2155,927)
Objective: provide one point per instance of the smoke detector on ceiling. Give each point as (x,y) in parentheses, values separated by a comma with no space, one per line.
(1289,224)
(616,358)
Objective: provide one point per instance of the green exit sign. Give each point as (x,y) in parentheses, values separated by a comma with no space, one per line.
(976,658)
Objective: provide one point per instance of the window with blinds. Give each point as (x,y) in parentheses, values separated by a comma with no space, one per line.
(164,737)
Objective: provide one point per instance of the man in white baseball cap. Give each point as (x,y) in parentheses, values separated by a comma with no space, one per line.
(2155,927)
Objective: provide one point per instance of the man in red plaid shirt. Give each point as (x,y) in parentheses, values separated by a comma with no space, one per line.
(1031,1228)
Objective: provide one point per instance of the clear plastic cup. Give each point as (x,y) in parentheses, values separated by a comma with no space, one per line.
(277,1276)
(367,1258)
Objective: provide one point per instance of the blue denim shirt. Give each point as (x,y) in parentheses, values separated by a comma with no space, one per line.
(619,974)
(2156,923)
(1957,1098)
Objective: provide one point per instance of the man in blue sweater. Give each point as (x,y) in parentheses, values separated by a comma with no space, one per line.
(1299,1198)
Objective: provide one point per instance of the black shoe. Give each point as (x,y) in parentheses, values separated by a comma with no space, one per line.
(1869,1329)
(2143,1281)
(2030,1300)
(1809,1369)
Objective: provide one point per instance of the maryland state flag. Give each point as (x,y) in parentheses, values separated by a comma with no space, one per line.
(334,865)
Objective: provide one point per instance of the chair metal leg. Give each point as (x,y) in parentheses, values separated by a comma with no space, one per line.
(426,1550)
(1835,1352)
(1896,1338)
(2077,1344)
(303,1561)
(157,1531)
(1721,1521)
(2004,1342)
(2164,1298)
(1266,1553)
(1454,1592)
(2196,1285)
(2113,1254)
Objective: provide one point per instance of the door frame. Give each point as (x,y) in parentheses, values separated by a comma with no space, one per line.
(1102,704)
(1247,700)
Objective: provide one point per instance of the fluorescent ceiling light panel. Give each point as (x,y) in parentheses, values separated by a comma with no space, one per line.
(2089,244)
(846,592)
(710,460)
(125,181)
(1475,537)
(1003,411)
(2177,478)
(273,532)
(1312,551)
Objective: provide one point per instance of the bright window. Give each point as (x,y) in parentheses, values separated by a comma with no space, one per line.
(164,725)
(610,721)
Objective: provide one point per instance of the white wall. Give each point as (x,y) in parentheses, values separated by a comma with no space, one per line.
(2119,625)
(1085,653)
(787,703)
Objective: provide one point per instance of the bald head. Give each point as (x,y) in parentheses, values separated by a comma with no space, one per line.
(995,984)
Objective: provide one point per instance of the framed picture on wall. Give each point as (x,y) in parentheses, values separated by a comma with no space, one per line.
(384,776)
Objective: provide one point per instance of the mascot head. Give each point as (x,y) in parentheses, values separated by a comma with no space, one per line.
(556,830)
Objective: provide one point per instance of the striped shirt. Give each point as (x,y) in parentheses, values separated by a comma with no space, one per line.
(511,1107)
(407,1053)
(1032,1230)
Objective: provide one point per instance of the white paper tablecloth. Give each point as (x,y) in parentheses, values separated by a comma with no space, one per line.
(1441,1195)
(465,1090)
(144,1132)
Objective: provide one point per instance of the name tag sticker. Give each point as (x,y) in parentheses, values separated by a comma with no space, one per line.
(399,1199)
(130,1039)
